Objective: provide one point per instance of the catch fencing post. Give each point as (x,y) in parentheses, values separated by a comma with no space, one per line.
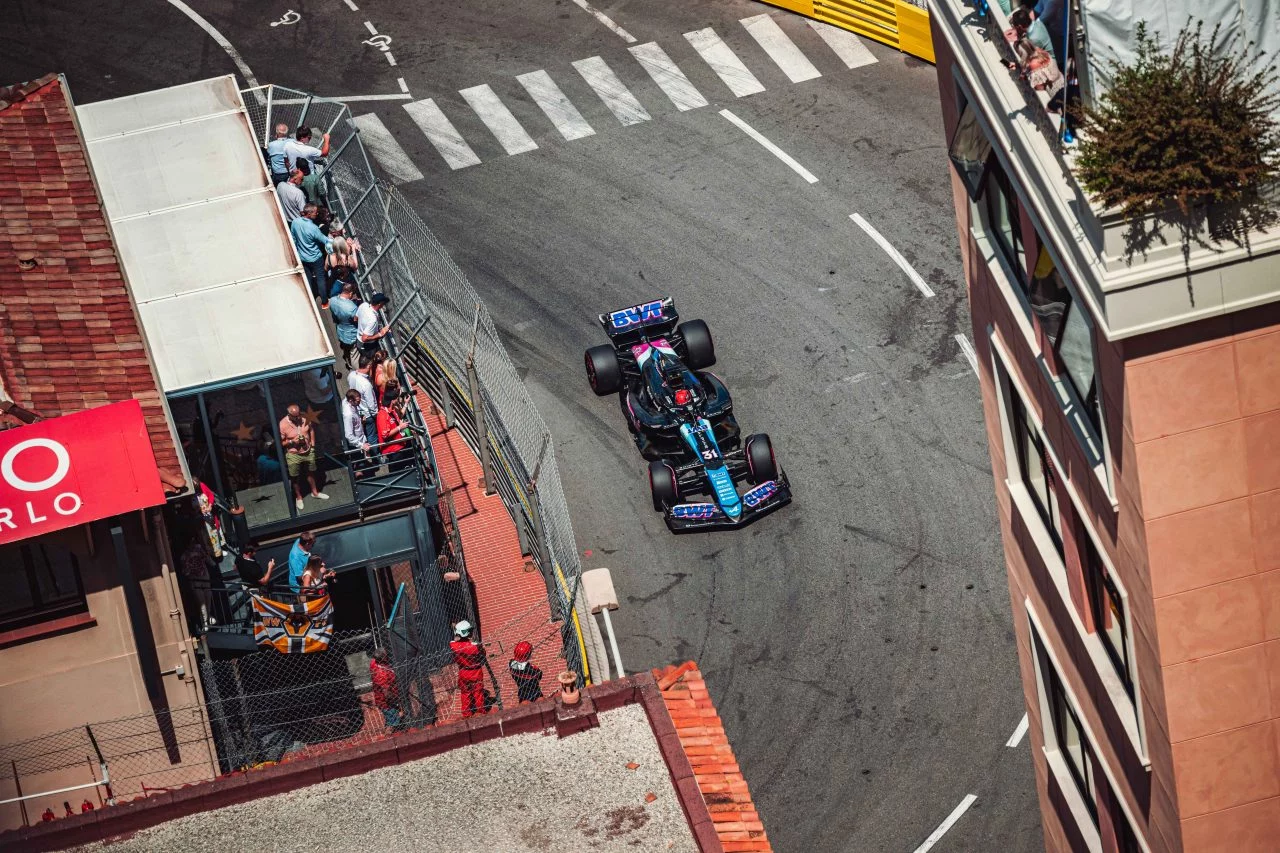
(539,533)
(477,408)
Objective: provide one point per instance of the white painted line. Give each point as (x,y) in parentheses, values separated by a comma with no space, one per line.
(852,52)
(893,253)
(781,49)
(616,97)
(379,142)
(775,150)
(437,127)
(1021,730)
(352,6)
(368,25)
(220,39)
(563,114)
(668,76)
(398,96)
(510,135)
(971,355)
(606,20)
(390,59)
(404,87)
(955,815)
(724,62)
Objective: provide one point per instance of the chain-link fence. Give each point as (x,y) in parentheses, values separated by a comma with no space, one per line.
(262,708)
(449,344)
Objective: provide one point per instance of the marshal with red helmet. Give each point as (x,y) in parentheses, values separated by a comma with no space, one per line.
(702,473)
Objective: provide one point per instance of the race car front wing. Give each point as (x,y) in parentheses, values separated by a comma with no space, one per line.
(759,501)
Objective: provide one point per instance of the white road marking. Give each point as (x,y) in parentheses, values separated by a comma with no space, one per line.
(852,52)
(510,135)
(947,824)
(404,87)
(352,6)
(668,76)
(775,150)
(606,20)
(563,114)
(724,62)
(1021,730)
(971,355)
(893,253)
(398,96)
(379,142)
(220,39)
(781,49)
(368,25)
(437,127)
(390,59)
(616,97)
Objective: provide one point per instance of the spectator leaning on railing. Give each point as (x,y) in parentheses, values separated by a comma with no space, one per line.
(342,308)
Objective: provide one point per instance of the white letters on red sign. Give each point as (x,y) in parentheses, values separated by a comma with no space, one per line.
(65,503)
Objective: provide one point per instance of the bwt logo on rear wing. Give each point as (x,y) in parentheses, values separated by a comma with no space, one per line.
(639,315)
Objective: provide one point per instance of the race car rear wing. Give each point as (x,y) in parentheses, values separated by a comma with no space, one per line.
(648,320)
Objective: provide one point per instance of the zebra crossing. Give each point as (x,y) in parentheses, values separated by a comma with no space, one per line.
(602,79)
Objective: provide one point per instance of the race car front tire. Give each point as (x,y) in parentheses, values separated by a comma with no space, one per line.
(700,350)
(603,370)
(761,463)
(663,485)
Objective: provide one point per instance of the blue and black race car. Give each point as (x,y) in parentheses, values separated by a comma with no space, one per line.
(681,418)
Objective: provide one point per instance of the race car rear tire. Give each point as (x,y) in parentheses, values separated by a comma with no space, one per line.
(761,463)
(700,350)
(603,370)
(663,484)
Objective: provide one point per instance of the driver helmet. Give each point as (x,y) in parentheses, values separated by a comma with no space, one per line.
(462,629)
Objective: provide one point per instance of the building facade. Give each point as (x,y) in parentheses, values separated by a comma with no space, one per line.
(1132,404)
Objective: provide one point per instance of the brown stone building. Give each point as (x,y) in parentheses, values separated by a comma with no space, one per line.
(1132,410)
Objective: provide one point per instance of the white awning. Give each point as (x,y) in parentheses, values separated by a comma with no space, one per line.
(218,285)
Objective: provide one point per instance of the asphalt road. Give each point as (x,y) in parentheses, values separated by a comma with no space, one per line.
(857,643)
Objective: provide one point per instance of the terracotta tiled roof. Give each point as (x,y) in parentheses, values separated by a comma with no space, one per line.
(69,337)
(719,779)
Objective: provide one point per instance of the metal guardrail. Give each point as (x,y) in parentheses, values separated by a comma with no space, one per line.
(446,339)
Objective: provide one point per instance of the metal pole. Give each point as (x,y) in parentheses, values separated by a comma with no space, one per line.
(613,643)
(266,127)
(477,409)
(302,119)
(102,764)
(17,783)
(368,270)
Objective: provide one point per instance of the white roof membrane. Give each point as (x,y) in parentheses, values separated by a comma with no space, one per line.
(205,251)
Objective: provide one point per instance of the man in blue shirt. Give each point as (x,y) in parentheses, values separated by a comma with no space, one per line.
(299,556)
(312,246)
(342,308)
(276,154)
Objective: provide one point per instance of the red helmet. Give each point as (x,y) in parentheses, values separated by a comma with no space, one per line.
(523,650)
(682,397)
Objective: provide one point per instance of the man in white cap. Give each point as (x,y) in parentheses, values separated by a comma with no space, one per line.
(470,659)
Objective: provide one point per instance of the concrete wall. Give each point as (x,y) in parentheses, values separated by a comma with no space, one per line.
(94,673)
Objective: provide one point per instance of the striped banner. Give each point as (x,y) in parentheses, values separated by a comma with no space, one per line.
(293,629)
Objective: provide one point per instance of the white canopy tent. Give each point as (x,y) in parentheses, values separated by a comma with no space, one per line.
(212,269)
(1111,25)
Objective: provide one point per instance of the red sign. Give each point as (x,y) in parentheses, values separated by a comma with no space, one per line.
(66,471)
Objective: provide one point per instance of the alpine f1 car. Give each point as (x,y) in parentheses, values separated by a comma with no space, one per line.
(681,418)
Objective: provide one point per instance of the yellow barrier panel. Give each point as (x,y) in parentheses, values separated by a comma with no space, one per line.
(893,22)
(914,36)
(577,627)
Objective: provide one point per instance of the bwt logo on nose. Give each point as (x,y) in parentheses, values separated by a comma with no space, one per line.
(64,503)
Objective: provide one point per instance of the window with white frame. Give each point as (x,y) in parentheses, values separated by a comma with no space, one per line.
(1034,469)
(1107,607)
(1069,331)
(1069,739)
(969,149)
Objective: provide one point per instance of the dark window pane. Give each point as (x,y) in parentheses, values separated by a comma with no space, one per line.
(191,434)
(16,591)
(1048,296)
(1037,476)
(1108,612)
(970,150)
(57,573)
(39,580)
